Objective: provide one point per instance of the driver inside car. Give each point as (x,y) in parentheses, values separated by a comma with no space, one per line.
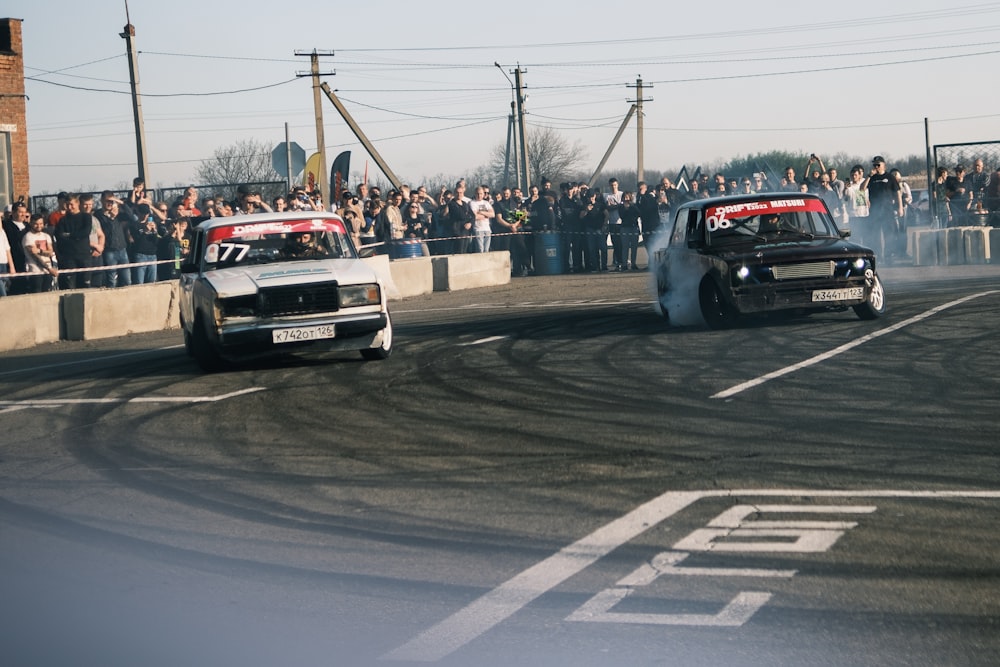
(302,245)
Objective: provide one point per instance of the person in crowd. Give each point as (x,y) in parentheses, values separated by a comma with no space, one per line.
(788,181)
(73,248)
(97,239)
(482,218)
(906,193)
(594,218)
(569,216)
(249,202)
(372,209)
(279,204)
(613,203)
(813,172)
(856,205)
(441,225)
(353,215)
(979,180)
(174,245)
(833,202)
(6,258)
(389,227)
(886,200)
(460,216)
(649,215)
(15,225)
(835,183)
(145,242)
(959,196)
(992,202)
(939,199)
(40,256)
(116,221)
(629,233)
(55,216)
(415,226)
(508,225)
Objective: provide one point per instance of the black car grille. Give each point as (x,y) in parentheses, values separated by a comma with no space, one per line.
(298,300)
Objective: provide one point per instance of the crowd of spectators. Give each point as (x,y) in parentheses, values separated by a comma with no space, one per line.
(134,240)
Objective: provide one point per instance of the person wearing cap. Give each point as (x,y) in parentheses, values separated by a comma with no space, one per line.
(353,215)
(886,201)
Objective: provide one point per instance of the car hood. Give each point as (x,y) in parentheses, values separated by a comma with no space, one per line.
(790,251)
(247,280)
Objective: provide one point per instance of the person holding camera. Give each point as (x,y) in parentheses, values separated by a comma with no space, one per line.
(145,241)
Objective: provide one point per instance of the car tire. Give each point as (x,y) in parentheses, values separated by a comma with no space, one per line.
(385,349)
(203,349)
(717,313)
(874,306)
(188,347)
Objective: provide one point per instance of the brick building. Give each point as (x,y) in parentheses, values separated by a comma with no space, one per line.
(13,126)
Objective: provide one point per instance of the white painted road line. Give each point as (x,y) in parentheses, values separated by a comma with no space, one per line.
(91,360)
(483,341)
(56,402)
(510,597)
(504,601)
(732,391)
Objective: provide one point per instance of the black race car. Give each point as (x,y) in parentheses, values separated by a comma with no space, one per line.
(731,256)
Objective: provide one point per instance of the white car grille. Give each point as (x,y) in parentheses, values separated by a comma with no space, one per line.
(809,270)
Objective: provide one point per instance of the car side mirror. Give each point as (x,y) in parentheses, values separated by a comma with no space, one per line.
(845,233)
(189,267)
(364,253)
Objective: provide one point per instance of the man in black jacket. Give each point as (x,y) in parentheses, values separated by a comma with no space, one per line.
(73,245)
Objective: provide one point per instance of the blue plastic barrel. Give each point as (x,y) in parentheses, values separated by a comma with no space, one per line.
(548,253)
(407,249)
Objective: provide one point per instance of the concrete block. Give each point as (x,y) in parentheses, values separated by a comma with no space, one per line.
(106,313)
(924,246)
(995,242)
(28,320)
(951,246)
(977,245)
(455,272)
(414,276)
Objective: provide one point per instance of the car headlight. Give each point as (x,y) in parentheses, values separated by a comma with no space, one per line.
(360,295)
(860,264)
(238,306)
(743,273)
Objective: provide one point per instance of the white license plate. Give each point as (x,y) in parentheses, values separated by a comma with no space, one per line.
(844,294)
(297,334)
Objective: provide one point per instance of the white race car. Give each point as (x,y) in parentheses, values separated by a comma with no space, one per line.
(259,285)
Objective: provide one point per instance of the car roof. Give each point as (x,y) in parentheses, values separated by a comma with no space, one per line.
(760,196)
(255,218)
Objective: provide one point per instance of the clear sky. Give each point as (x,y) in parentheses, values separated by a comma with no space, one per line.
(725,79)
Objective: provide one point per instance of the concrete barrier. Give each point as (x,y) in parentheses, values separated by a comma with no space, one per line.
(413,276)
(924,247)
(105,313)
(977,245)
(456,272)
(29,320)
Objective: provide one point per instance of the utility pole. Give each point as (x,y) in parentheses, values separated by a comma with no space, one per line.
(640,140)
(128,34)
(511,140)
(359,133)
(324,179)
(522,134)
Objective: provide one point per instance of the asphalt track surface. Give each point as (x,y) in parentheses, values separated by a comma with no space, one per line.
(541,474)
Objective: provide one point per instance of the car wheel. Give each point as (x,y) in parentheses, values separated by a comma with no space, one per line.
(385,349)
(202,348)
(874,307)
(715,310)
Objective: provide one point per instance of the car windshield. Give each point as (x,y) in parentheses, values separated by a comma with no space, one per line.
(269,242)
(776,220)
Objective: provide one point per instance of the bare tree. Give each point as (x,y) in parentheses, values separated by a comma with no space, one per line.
(246,161)
(550,156)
